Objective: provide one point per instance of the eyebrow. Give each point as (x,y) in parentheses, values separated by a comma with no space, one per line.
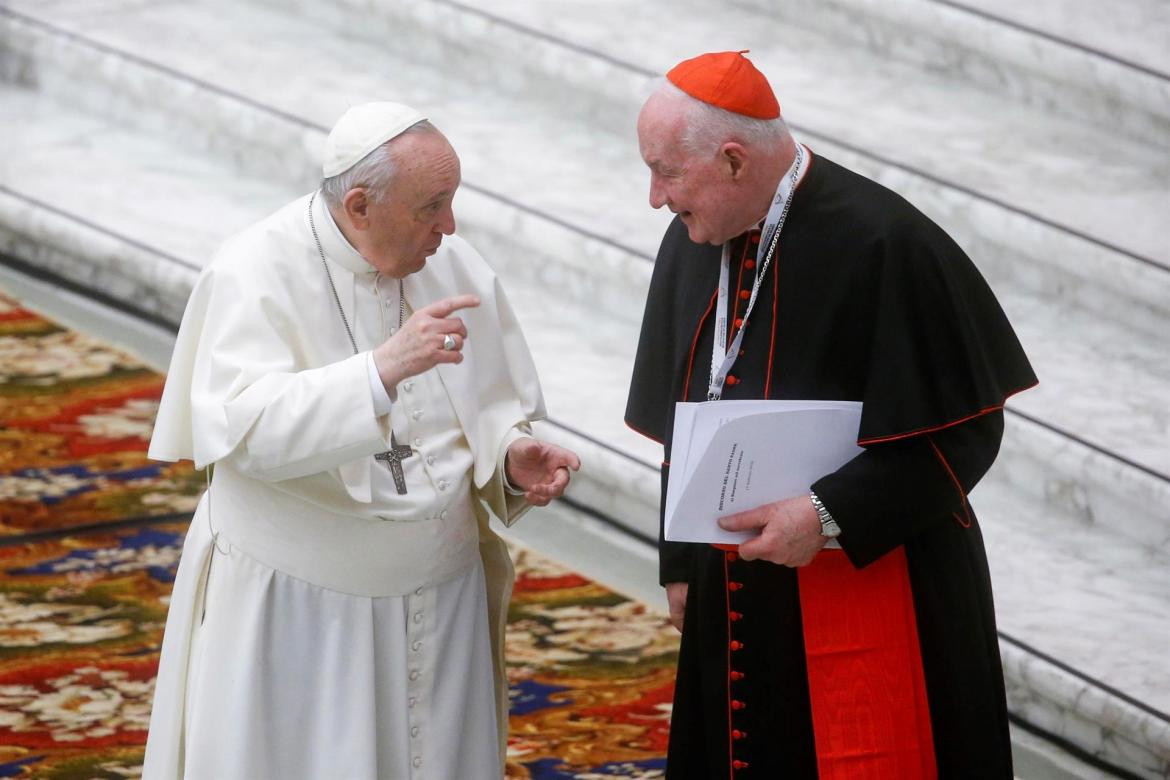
(439,197)
(665,169)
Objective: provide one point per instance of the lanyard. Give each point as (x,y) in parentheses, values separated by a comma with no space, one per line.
(721,362)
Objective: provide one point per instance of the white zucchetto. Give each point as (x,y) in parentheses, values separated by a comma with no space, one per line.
(363,128)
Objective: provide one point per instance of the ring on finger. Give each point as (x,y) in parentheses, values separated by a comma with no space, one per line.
(448,342)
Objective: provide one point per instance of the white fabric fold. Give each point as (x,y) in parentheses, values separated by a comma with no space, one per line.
(381,397)
(387,689)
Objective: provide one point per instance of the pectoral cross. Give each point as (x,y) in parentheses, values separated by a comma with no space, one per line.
(393,458)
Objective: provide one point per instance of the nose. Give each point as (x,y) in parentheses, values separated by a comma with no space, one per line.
(657,192)
(447,221)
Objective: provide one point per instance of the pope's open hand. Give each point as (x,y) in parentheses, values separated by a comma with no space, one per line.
(418,345)
(540,469)
(790,532)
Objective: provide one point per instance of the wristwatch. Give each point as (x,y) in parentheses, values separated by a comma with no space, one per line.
(829,526)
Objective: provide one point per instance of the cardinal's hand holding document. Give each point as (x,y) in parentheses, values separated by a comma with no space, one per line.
(742,469)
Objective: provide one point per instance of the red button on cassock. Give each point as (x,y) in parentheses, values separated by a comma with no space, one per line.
(734,586)
(735,645)
(739,322)
(745,294)
(737,705)
(732,557)
(734,616)
(737,734)
(749,264)
(737,676)
(739,764)
(755,236)
(732,380)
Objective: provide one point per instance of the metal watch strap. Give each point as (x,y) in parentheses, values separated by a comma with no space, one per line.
(829,526)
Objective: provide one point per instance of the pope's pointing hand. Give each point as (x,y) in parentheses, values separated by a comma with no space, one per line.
(431,336)
(540,469)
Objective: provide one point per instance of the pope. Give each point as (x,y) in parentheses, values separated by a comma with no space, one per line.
(353,378)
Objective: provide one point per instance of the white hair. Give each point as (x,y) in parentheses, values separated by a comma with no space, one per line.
(373,173)
(708,127)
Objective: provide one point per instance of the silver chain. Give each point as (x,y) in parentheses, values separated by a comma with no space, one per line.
(333,287)
(775,237)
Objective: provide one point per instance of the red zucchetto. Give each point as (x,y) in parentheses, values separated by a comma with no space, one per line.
(729,80)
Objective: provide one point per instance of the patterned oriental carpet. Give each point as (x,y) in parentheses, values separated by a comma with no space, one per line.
(90,534)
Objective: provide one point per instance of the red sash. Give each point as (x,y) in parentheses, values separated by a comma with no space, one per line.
(870,714)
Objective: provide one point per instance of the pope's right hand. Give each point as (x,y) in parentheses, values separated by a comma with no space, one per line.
(418,344)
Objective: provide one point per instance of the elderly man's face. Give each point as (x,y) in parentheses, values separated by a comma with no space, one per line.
(698,187)
(408,224)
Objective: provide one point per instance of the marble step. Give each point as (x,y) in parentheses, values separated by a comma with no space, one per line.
(527,207)
(1100,385)
(579,355)
(1110,394)
(1083,631)
(1131,30)
(1078,203)
(1079,573)
(1108,65)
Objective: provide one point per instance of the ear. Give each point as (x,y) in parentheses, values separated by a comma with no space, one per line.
(734,157)
(356,206)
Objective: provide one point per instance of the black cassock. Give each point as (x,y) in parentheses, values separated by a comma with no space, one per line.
(866,300)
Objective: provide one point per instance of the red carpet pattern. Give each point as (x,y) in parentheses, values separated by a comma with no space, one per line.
(82,607)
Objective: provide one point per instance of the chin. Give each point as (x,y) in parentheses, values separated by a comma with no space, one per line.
(694,233)
(698,236)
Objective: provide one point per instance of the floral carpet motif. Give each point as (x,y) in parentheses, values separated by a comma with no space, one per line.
(82,612)
(75,422)
(81,622)
(591,675)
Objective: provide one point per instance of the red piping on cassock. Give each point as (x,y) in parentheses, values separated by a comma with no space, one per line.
(944,426)
(695,345)
(958,485)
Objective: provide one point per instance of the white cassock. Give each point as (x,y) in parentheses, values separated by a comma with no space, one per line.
(322,625)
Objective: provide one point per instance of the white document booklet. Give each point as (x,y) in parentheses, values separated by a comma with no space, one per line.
(731,456)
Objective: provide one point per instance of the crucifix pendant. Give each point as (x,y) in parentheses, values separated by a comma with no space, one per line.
(393,458)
